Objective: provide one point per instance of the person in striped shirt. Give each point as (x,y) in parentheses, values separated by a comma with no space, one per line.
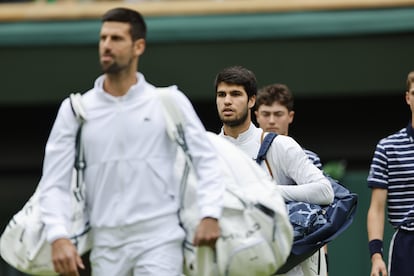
(391,179)
(274,113)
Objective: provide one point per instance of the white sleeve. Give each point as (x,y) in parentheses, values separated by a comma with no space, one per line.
(55,182)
(210,189)
(298,178)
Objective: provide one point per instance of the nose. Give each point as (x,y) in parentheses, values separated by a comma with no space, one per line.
(272,119)
(227,100)
(105,42)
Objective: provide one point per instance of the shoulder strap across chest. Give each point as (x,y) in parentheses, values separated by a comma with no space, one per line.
(264,147)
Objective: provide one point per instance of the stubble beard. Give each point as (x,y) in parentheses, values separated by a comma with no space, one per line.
(236,121)
(115,68)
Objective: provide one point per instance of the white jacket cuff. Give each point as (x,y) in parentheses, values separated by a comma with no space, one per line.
(210,212)
(56,232)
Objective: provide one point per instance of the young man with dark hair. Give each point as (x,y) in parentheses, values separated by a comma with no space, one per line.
(291,169)
(131,190)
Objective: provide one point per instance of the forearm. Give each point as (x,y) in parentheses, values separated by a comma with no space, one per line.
(375,225)
(315,193)
(376,214)
(375,228)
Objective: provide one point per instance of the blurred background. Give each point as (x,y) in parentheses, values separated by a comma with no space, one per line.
(346,63)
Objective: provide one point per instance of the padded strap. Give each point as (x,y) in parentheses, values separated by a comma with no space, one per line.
(175,120)
(80,114)
(77,107)
(173,116)
(264,147)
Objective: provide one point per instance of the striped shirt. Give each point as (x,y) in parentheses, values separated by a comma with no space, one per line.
(392,168)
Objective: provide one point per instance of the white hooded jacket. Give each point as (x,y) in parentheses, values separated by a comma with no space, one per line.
(129,161)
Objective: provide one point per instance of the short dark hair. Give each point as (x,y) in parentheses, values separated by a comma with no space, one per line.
(238,75)
(135,19)
(277,92)
(410,80)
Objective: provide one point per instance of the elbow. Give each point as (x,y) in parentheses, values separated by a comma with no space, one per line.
(325,192)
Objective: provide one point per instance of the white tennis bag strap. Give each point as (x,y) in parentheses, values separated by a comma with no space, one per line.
(174,119)
(175,129)
(77,107)
(80,163)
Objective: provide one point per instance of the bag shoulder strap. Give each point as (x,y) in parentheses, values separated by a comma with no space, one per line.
(80,114)
(264,147)
(173,116)
(174,119)
(77,107)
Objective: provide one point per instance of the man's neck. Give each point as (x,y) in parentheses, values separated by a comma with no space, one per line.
(118,84)
(235,131)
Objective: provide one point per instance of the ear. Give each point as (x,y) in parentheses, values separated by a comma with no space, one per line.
(407,97)
(139,46)
(252,101)
(291,116)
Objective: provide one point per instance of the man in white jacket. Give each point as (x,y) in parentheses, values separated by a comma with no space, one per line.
(131,190)
(287,163)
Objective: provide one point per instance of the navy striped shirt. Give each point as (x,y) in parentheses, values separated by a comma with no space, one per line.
(392,168)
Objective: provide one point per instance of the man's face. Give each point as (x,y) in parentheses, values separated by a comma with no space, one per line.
(274,118)
(233,104)
(116,48)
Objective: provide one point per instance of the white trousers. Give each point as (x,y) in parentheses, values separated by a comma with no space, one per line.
(133,252)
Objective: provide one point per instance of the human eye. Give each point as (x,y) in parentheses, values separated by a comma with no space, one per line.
(279,114)
(236,93)
(220,94)
(117,38)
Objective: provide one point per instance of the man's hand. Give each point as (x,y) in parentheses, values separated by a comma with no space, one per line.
(66,259)
(207,233)
(378,266)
